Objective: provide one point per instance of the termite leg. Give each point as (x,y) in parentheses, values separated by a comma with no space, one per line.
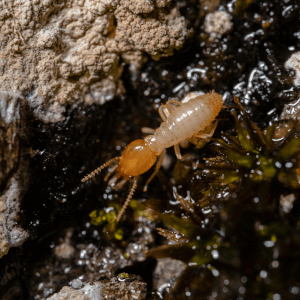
(109,173)
(171,104)
(164,112)
(121,212)
(208,131)
(148,130)
(119,184)
(112,181)
(157,167)
(99,169)
(177,151)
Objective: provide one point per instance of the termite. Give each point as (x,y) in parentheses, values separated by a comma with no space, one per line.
(181,121)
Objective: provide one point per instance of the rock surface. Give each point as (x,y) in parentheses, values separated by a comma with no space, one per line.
(13,172)
(55,53)
(294,63)
(166,273)
(66,249)
(88,292)
(123,286)
(218,23)
(11,235)
(291,111)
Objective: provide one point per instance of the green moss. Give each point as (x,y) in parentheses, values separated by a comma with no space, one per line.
(99,217)
(231,218)
(256,154)
(107,219)
(123,275)
(118,234)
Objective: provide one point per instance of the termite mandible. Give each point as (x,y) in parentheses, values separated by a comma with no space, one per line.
(181,121)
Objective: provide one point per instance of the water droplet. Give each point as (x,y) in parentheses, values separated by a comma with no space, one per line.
(269,244)
(215,254)
(76,284)
(263,274)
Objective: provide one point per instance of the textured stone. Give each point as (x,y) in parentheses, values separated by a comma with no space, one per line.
(218,23)
(294,63)
(166,272)
(123,286)
(55,53)
(11,235)
(13,172)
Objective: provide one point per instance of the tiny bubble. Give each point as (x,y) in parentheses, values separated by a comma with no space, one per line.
(263,274)
(294,290)
(276,297)
(76,284)
(215,254)
(275,264)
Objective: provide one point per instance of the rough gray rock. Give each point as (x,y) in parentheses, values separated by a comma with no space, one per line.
(55,53)
(13,172)
(11,235)
(294,63)
(218,23)
(88,292)
(123,286)
(291,110)
(166,272)
(9,107)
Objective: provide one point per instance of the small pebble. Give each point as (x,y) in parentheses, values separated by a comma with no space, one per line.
(218,23)
(294,63)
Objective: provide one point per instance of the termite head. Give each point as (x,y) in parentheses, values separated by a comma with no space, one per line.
(137,158)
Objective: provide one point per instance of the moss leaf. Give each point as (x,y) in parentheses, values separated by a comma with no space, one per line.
(182,225)
(181,252)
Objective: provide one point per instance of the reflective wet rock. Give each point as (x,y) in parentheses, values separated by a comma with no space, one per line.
(166,273)
(113,288)
(232,217)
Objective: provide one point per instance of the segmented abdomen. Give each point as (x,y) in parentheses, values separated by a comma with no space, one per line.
(188,119)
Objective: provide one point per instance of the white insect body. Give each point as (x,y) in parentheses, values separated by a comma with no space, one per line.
(184,120)
(181,121)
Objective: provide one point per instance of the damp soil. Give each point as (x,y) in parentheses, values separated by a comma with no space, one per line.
(248,63)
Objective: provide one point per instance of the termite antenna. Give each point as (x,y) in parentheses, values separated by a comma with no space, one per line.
(89,176)
(119,216)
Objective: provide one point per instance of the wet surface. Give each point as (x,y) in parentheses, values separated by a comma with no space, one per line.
(254,251)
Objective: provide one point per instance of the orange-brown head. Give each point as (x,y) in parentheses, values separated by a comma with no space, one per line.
(137,158)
